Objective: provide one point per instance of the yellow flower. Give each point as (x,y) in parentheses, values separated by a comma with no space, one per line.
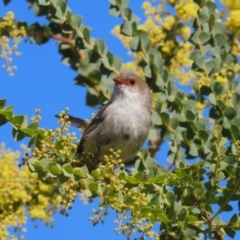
(232,4)
(169,22)
(199,106)
(185,32)
(233,21)
(221,79)
(146,5)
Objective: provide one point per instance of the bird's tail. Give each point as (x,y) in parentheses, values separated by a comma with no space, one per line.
(77,122)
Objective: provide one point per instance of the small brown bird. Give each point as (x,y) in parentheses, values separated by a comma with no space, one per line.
(122,124)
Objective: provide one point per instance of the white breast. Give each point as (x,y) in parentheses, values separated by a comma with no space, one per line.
(125,127)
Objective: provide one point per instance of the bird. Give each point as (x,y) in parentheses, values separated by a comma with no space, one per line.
(122,124)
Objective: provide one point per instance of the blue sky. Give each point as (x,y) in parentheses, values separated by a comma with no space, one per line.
(41,81)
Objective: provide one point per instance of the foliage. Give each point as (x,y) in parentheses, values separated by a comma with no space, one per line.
(197,47)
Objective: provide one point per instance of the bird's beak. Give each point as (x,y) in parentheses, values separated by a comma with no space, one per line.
(118,80)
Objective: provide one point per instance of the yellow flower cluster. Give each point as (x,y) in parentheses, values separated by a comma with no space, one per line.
(232,4)
(203,80)
(51,137)
(199,106)
(169,22)
(186,9)
(6,52)
(162,29)
(20,191)
(227,97)
(233,22)
(8,25)
(236,47)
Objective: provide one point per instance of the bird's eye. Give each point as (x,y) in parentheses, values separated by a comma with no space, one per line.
(132,81)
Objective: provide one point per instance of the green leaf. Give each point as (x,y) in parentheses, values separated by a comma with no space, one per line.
(34,141)
(79,173)
(67,169)
(33,126)
(19,120)
(195,38)
(230,113)
(227,208)
(44,2)
(218,88)
(76,20)
(139,177)
(117,63)
(128,28)
(234,221)
(174,122)
(58,13)
(79,44)
(195,55)
(230,232)
(193,150)
(93,187)
(126,13)
(205,49)
(220,176)
(235,131)
(221,39)
(165,117)
(55,168)
(204,37)
(147,212)
(3,120)
(2,103)
(218,27)
(215,113)
(203,18)
(229,59)
(63,179)
(144,40)
(217,63)
(135,44)
(191,218)
(203,135)
(114,11)
(155,118)
(86,33)
(96,174)
(17,134)
(44,163)
(209,65)
(6,2)
(132,180)
(216,51)
(200,62)
(212,99)
(211,6)
(190,115)
(160,216)
(124,3)
(27,131)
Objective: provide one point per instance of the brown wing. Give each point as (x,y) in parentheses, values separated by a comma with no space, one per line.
(93,124)
(77,122)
